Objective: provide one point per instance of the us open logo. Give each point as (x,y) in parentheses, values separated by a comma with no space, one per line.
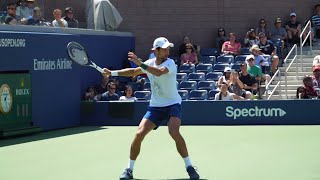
(254,112)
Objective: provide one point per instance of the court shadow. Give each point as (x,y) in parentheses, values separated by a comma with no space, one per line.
(48,135)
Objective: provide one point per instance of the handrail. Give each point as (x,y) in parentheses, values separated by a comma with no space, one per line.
(275,90)
(269,83)
(302,42)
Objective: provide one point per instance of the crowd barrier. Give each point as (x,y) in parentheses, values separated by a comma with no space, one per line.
(261,112)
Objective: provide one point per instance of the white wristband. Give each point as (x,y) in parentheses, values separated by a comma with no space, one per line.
(114,73)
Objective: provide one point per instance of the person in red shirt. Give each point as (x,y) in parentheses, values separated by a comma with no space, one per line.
(308,85)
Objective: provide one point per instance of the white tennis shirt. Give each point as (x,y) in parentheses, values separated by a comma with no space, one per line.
(163,88)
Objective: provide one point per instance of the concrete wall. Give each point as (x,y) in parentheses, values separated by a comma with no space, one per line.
(148,19)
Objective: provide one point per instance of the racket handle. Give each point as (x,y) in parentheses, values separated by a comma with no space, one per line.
(100,69)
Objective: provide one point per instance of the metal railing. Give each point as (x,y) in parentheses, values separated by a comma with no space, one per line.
(302,42)
(286,68)
(278,84)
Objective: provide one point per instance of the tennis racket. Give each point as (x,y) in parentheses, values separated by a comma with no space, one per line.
(79,55)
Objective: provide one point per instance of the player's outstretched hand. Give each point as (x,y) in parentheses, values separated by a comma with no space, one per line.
(107,72)
(133,58)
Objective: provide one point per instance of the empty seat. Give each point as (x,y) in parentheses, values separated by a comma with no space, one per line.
(188,85)
(199,76)
(205,68)
(206,85)
(220,67)
(240,58)
(143,95)
(147,86)
(210,52)
(236,67)
(213,76)
(198,95)
(182,77)
(187,68)
(207,59)
(225,59)
(184,94)
(212,93)
(245,51)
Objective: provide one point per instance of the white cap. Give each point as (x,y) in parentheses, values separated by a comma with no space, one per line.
(293,14)
(250,57)
(227,69)
(161,42)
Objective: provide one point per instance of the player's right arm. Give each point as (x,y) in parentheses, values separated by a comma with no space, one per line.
(128,72)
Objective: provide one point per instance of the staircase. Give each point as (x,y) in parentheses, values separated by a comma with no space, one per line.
(295,73)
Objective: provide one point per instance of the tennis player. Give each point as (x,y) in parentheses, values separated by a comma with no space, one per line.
(165,103)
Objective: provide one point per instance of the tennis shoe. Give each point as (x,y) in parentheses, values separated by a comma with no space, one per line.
(193,173)
(127,174)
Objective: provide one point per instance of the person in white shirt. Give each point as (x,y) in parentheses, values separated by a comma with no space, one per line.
(128,94)
(165,103)
(59,21)
(225,95)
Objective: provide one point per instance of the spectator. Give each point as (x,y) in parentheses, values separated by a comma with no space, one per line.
(90,94)
(308,86)
(278,34)
(225,77)
(249,82)
(236,86)
(259,59)
(110,95)
(102,87)
(182,48)
(231,47)
(316,76)
(267,48)
(128,94)
(316,61)
(36,19)
(293,28)
(23,11)
(190,57)
(301,93)
(251,38)
(12,18)
(72,22)
(316,21)
(58,22)
(221,38)
(30,5)
(225,95)
(262,27)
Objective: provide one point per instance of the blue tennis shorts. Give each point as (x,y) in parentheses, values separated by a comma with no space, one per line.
(161,115)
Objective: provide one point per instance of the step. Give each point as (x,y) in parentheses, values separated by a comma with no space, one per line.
(289,82)
(289,78)
(282,97)
(283,87)
(303,64)
(301,74)
(295,69)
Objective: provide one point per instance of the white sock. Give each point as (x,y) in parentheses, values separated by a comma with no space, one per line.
(131,164)
(187,161)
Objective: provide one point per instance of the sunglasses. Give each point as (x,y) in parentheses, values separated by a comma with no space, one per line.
(12,8)
(262,22)
(221,30)
(69,12)
(251,60)
(188,48)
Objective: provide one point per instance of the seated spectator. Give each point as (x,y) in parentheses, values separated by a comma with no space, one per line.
(128,94)
(316,61)
(259,59)
(308,86)
(110,95)
(182,47)
(316,76)
(231,47)
(12,18)
(316,21)
(249,82)
(221,37)
(293,28)
(102,87)
(225,95)
(23,11)
(262,28)
(301,93)
(72,22)
(236,86)
(58,21)
(278,34)
(190,57)
(267,48)
(36,19)
(251,38)
(90,94)
(225,77)
(30,5)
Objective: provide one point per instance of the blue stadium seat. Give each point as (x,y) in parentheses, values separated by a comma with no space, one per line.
(187,68)
(206,85)
(240,58)
(210,52)
(199,76)
(205,68)
(143,95)
(147,86)
(188,85)
(182,77)
(213,76)
(245,51)
(198,95)
(225,59)
(207,59)
(212,93)
(184,94)
(236,67)
(220,67)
